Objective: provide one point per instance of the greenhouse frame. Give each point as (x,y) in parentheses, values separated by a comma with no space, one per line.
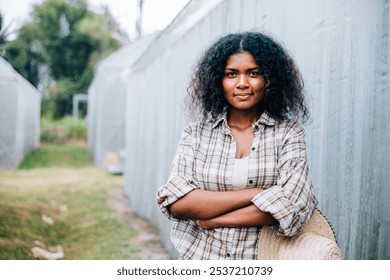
(107,105)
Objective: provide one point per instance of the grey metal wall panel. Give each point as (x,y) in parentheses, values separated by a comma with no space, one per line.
(8,123)
(342,49)
(20,105)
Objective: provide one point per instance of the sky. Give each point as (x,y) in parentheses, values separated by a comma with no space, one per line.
(156,16)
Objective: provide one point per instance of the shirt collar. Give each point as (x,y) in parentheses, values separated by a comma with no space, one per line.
(221,118)
(265,119)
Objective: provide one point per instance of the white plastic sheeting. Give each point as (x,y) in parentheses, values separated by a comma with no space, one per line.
(342,49)
(107,105)
(20,106)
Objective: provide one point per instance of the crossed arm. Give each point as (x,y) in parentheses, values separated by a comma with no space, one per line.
(221,209)
(289,203)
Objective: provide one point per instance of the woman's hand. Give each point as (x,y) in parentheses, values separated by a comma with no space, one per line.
(249,216)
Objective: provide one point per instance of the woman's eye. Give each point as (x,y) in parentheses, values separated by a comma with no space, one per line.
(230,74)
(254,74)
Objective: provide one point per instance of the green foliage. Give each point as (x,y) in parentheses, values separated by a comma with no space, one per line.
(69,40)
(95,27)
(62,130)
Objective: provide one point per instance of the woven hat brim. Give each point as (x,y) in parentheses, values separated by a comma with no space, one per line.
(318,225)
(303,246)
(315,241)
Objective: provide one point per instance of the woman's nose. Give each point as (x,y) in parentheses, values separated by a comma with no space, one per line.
(242,82)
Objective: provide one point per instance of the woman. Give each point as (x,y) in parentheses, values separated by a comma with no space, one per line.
(243,165)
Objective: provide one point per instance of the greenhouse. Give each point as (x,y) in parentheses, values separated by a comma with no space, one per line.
(107,105)
(20,105)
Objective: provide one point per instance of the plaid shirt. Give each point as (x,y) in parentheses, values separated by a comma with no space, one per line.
(205,159)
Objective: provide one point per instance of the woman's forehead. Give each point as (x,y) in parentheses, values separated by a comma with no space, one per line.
(241,59)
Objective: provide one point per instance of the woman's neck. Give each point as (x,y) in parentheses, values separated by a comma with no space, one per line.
(242,119)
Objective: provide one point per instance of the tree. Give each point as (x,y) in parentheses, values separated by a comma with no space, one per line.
(25,54)
(3,33)
(67,39)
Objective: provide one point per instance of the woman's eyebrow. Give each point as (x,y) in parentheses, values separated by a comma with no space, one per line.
(249,69)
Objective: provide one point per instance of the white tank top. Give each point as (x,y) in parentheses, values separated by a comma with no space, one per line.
(240,173)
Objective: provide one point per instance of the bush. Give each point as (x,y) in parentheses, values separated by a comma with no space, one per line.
(62,130)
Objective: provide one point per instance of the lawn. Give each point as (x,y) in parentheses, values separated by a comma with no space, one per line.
(58,156)
(60,181)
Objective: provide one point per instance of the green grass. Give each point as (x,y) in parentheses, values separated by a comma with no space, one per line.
(88,230)
(50,177)
(57,156)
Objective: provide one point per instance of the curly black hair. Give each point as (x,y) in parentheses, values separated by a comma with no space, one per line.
(284,95)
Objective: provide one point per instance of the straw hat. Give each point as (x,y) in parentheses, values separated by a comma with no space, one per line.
(315,241)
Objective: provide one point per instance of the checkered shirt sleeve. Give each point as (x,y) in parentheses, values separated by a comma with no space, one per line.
(291,201)
(181,180)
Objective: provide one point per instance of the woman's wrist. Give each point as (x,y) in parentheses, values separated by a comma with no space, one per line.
(251,193)
(207,224)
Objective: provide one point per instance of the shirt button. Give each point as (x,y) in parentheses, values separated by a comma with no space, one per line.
(228,255)
(256,127)
(253,148)
(251,182)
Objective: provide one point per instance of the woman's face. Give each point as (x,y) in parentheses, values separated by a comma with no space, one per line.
(242,83)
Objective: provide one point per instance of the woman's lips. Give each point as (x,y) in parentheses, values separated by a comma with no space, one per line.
(242,95)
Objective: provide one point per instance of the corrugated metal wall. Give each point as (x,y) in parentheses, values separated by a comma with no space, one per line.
(20,107)
(342,49)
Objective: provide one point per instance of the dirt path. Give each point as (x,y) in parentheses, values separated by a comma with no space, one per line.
(148,239)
